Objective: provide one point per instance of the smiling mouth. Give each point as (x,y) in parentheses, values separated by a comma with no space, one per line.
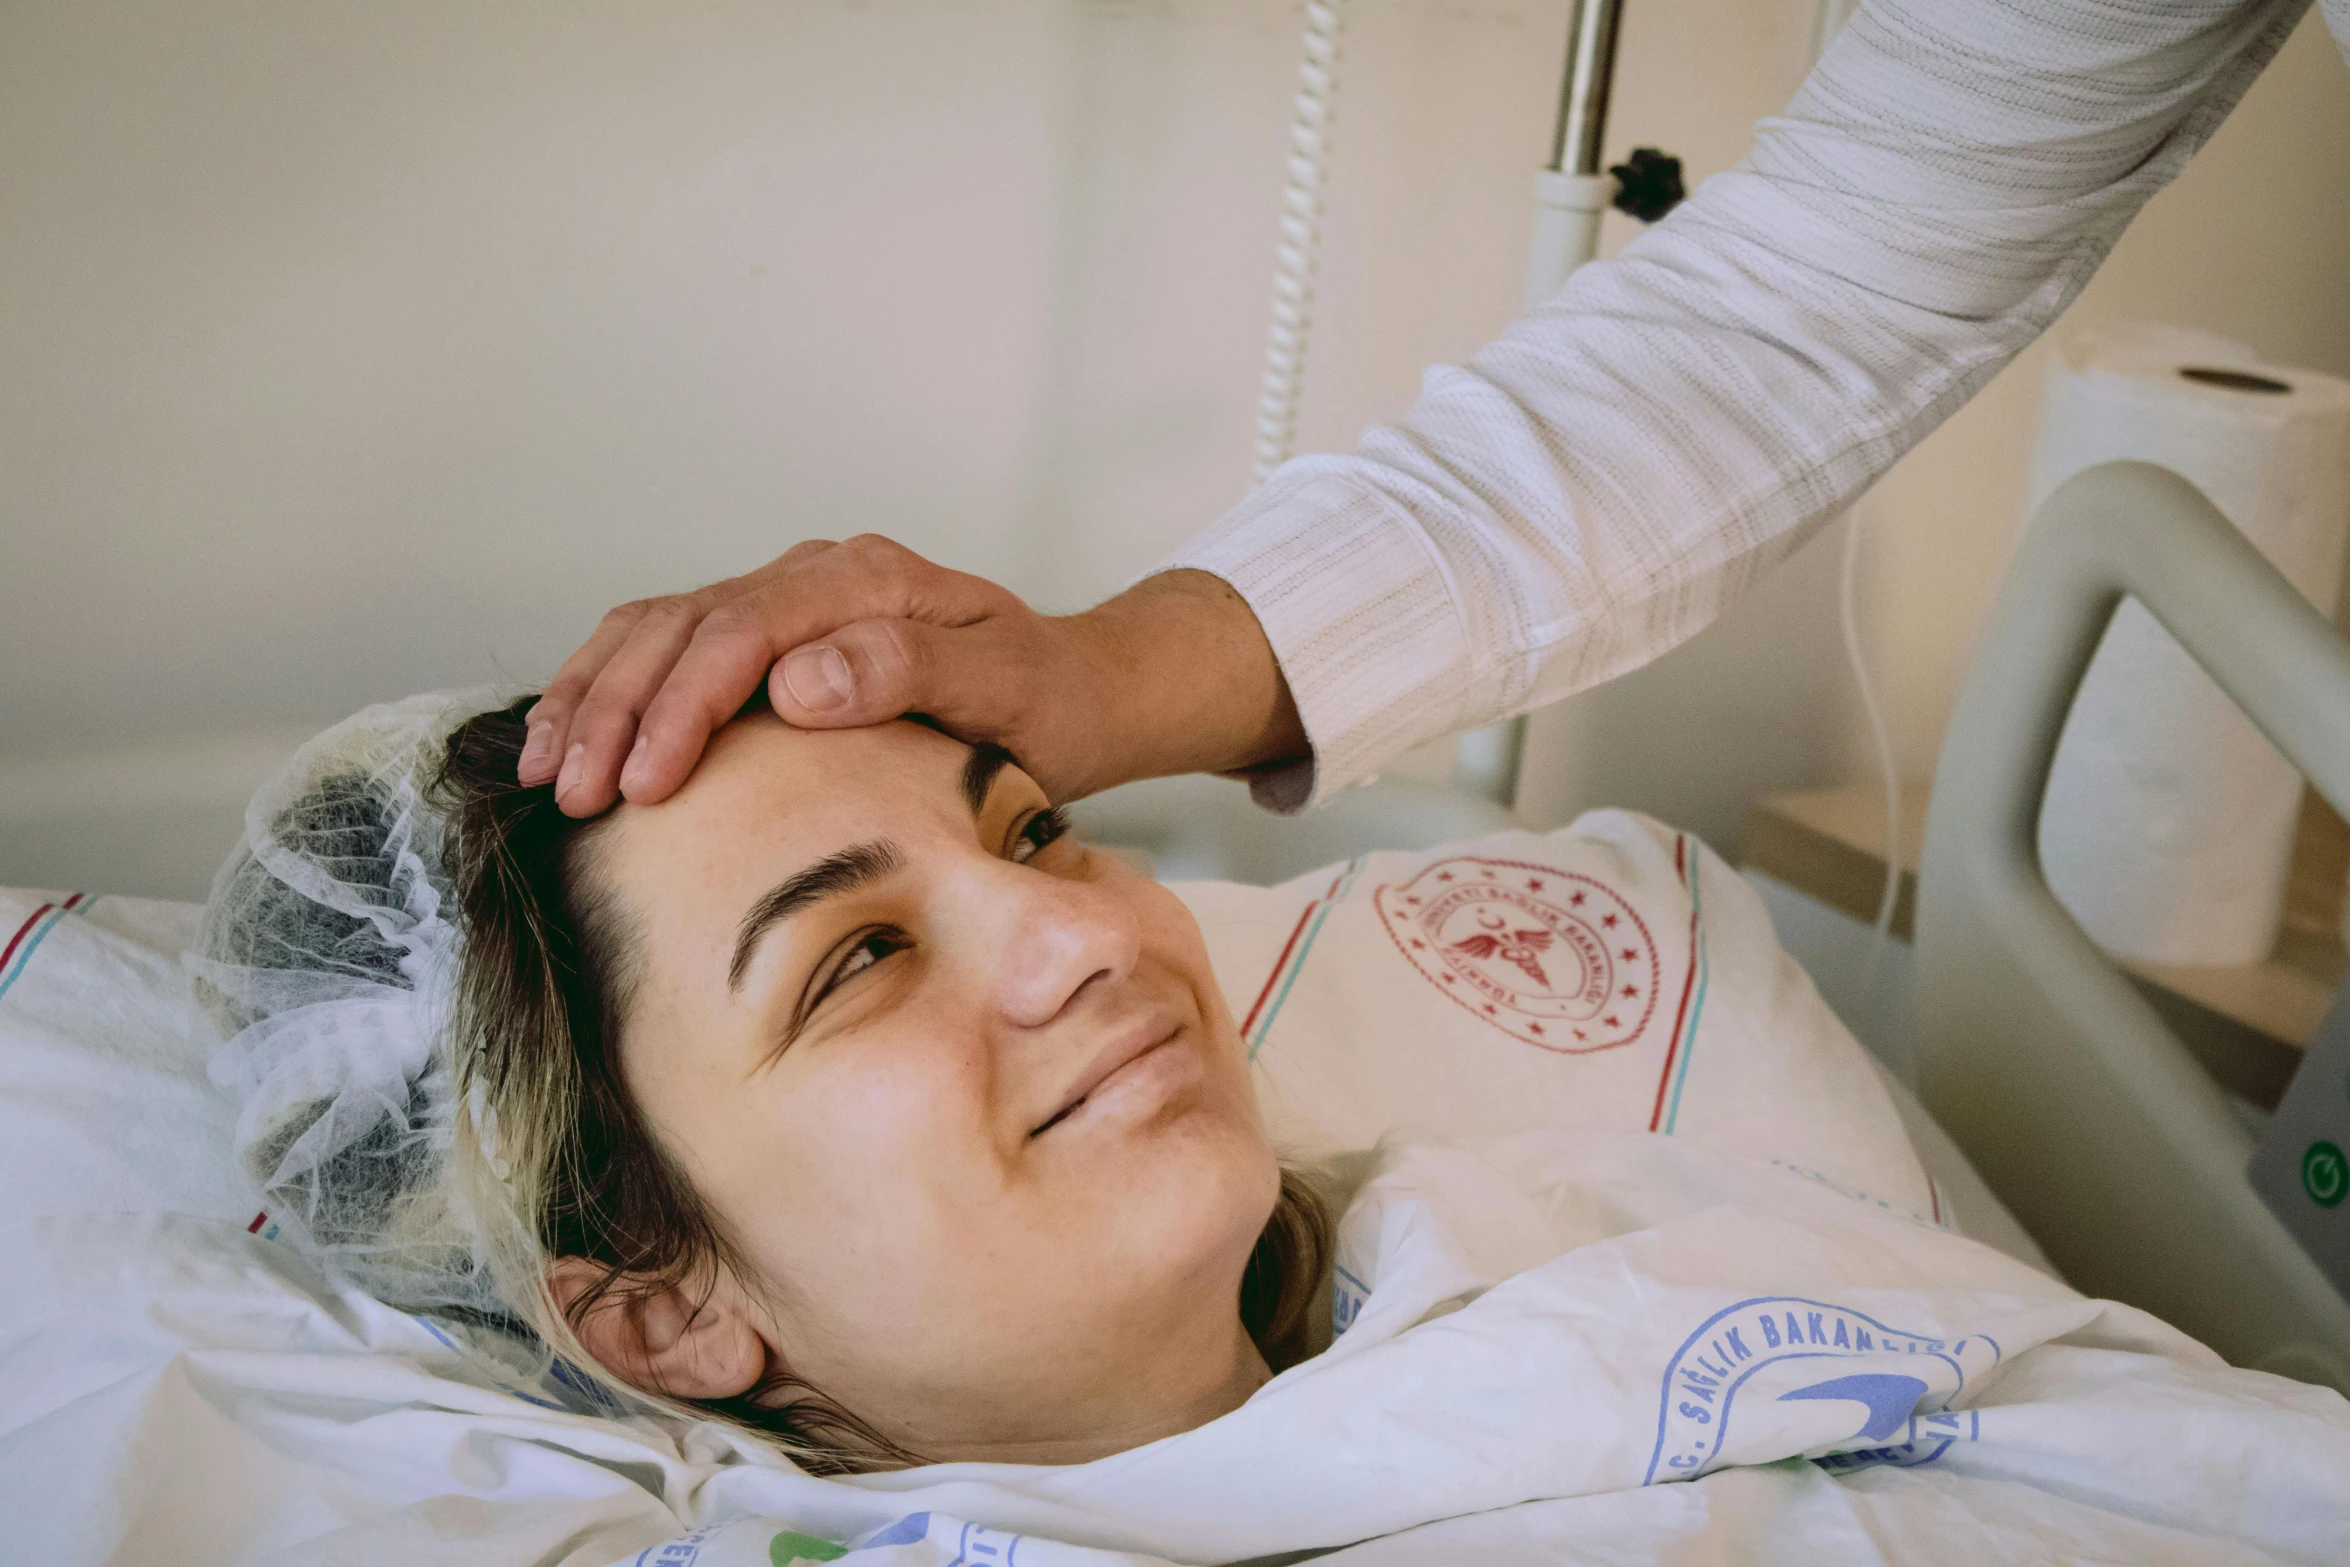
(1062,1115)
(1099,1083)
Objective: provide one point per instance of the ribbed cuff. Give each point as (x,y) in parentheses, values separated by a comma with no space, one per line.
(1360,613)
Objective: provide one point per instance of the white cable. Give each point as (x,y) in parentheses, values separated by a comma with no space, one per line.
(1301,241)
(1854,522)
(1827,21)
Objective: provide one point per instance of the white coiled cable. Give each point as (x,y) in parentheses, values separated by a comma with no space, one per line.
(1301,240)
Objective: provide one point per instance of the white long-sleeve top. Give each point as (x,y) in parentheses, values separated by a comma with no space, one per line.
(1596,485)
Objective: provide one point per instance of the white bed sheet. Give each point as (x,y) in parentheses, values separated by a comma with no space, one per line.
(1542,1335)
(173,1378)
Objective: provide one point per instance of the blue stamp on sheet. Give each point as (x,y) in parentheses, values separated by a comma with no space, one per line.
(1771,1347)
(1347,1297)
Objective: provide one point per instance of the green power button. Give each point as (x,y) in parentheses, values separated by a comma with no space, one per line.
(2325,1174)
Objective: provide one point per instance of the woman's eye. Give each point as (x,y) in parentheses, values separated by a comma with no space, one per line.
(870,949)
(1039,830)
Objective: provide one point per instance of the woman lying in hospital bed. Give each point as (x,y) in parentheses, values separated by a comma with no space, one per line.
(842,1109)
(851,1098)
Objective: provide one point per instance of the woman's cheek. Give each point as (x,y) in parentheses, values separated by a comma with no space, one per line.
(836,1186)
(897,1100)
(1171,937)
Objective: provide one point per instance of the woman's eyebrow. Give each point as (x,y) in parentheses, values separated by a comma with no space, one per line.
(829,877)
(979,770)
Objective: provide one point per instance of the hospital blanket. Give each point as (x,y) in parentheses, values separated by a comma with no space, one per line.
(1549,1349)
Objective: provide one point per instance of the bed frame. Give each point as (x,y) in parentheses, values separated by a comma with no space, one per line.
(2081,1109)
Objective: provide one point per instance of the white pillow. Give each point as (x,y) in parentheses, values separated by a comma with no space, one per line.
(1613,976)
(105,1106)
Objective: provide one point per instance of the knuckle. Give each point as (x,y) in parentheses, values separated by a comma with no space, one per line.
(874,549)
(628,614)
(676,610)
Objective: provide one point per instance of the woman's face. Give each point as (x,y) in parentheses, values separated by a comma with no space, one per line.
(962,1093)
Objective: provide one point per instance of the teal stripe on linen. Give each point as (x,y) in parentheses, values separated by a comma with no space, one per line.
(24,959)
(1697,1006)
(1298,963)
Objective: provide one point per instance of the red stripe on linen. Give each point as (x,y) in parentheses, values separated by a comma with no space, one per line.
(1681,1014)
(259,1220)
(1282,961)
(1279,964)
(16,940)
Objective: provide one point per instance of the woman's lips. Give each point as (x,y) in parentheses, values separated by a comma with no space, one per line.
(1126,1059)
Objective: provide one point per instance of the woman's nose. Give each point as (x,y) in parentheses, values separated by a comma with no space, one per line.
(1054,937)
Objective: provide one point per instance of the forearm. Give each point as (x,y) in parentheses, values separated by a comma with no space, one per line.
(1597,484)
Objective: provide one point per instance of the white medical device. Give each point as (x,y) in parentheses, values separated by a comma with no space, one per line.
(2301,1168)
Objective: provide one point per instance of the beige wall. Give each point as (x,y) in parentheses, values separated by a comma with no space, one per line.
(355,350)
(352,350)
(358,349)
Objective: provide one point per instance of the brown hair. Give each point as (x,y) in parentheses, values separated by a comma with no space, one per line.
(560,1161)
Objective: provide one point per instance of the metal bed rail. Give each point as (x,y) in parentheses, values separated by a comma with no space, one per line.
(2081,1109)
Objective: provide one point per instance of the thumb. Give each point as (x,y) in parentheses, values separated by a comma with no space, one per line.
(1009,680)
(862,673)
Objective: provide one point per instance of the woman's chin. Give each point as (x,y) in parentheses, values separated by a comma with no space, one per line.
(1168,1155)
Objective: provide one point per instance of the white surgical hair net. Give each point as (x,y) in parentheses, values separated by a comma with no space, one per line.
(327,961)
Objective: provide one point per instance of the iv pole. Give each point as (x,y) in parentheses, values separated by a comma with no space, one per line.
(1572,192)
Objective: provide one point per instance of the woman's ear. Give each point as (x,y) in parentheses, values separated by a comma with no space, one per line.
(680,1341)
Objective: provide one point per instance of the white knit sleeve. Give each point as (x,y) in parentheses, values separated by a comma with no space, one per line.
(1598,483)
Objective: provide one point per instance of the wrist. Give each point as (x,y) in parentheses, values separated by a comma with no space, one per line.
(1182,679)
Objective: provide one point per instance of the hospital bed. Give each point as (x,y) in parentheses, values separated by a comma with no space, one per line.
(2057,1078)
(2089,1119)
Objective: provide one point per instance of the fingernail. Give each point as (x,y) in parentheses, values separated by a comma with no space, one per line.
(817,677)
(574,761)
(633,773)
(535,749)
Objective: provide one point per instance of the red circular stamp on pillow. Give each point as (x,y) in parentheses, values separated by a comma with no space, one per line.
(1547,956)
